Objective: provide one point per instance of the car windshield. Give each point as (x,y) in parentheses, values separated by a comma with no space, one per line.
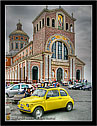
(39,92)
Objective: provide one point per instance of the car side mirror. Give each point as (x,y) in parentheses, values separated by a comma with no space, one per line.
(47,97)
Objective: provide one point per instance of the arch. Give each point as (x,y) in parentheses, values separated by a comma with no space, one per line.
(37,72)
(62,73)
(78,74)
(63,39)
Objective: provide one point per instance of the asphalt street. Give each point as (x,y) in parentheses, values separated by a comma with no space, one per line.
(82,110)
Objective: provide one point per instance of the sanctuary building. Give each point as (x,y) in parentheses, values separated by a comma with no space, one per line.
(51,54)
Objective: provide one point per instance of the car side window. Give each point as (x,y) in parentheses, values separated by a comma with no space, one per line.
(63,93)
(16,87)
(24,86)
(53,93)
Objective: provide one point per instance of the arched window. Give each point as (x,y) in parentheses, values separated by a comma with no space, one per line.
(65,53)
(71,28)
(53,22)
(37,27)
(67,27)
(54,50)
(48,21)
(60,22)
(59,50)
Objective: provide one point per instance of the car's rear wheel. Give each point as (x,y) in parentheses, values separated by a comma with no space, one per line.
(69,107)
(38,112)
(7,95)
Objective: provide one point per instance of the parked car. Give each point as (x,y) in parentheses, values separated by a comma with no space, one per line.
(78,86)
(70,86)
(87,87)
(45,99)
(16,88)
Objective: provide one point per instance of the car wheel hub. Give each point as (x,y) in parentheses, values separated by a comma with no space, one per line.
(69,107)
(38,113)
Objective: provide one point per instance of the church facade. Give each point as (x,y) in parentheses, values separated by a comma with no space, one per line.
(51,54)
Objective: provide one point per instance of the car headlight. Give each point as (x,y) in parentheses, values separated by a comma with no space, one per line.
(27,105)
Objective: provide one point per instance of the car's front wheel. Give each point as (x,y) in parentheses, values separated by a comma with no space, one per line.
(38,112)
(69,107)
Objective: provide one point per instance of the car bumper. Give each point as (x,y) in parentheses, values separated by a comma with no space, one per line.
(24,110)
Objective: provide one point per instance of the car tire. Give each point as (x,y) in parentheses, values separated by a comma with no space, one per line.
(7,95)
(38,112)
(69,107)
(80,88)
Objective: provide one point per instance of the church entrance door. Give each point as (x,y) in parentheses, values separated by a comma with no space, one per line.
(78,75)
(59,74)
(35,73)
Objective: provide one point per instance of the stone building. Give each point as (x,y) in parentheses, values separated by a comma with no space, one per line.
(51,54)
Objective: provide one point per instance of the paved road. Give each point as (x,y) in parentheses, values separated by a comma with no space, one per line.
(82,109)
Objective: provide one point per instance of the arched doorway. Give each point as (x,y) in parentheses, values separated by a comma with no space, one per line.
(59,74)
(78,75)
(35,73)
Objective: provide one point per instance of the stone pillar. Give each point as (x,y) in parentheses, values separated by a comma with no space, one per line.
(56,50)
(15,73)
(41,64)
(71,68)
(25,70)
(82,72)
(46,67)
(74,72)
(28,70)
(21,71)
(50,67)
(62,51)
(18,72)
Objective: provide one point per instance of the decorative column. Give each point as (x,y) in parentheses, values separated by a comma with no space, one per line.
(74,73)
(71,68)
(46,67)
(10,73)
(62,51)
(82,72)
(18,72)
(21,71)
(41,64)
(25,70)
(50,67)
(28,70)
(56,50)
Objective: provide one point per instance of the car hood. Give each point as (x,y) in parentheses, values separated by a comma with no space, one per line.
(32,99)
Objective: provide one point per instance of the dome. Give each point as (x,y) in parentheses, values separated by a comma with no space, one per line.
(18,32)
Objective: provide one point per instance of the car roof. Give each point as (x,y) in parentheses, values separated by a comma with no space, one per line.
(49,88)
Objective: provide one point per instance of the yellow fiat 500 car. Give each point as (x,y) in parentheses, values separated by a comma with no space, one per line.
(45,99)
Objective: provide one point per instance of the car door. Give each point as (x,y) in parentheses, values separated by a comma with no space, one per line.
(14,90)
(54,101)
(64,98)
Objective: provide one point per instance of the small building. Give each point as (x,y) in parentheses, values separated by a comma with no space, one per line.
(51,54)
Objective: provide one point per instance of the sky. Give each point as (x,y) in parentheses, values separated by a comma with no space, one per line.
(83,29)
